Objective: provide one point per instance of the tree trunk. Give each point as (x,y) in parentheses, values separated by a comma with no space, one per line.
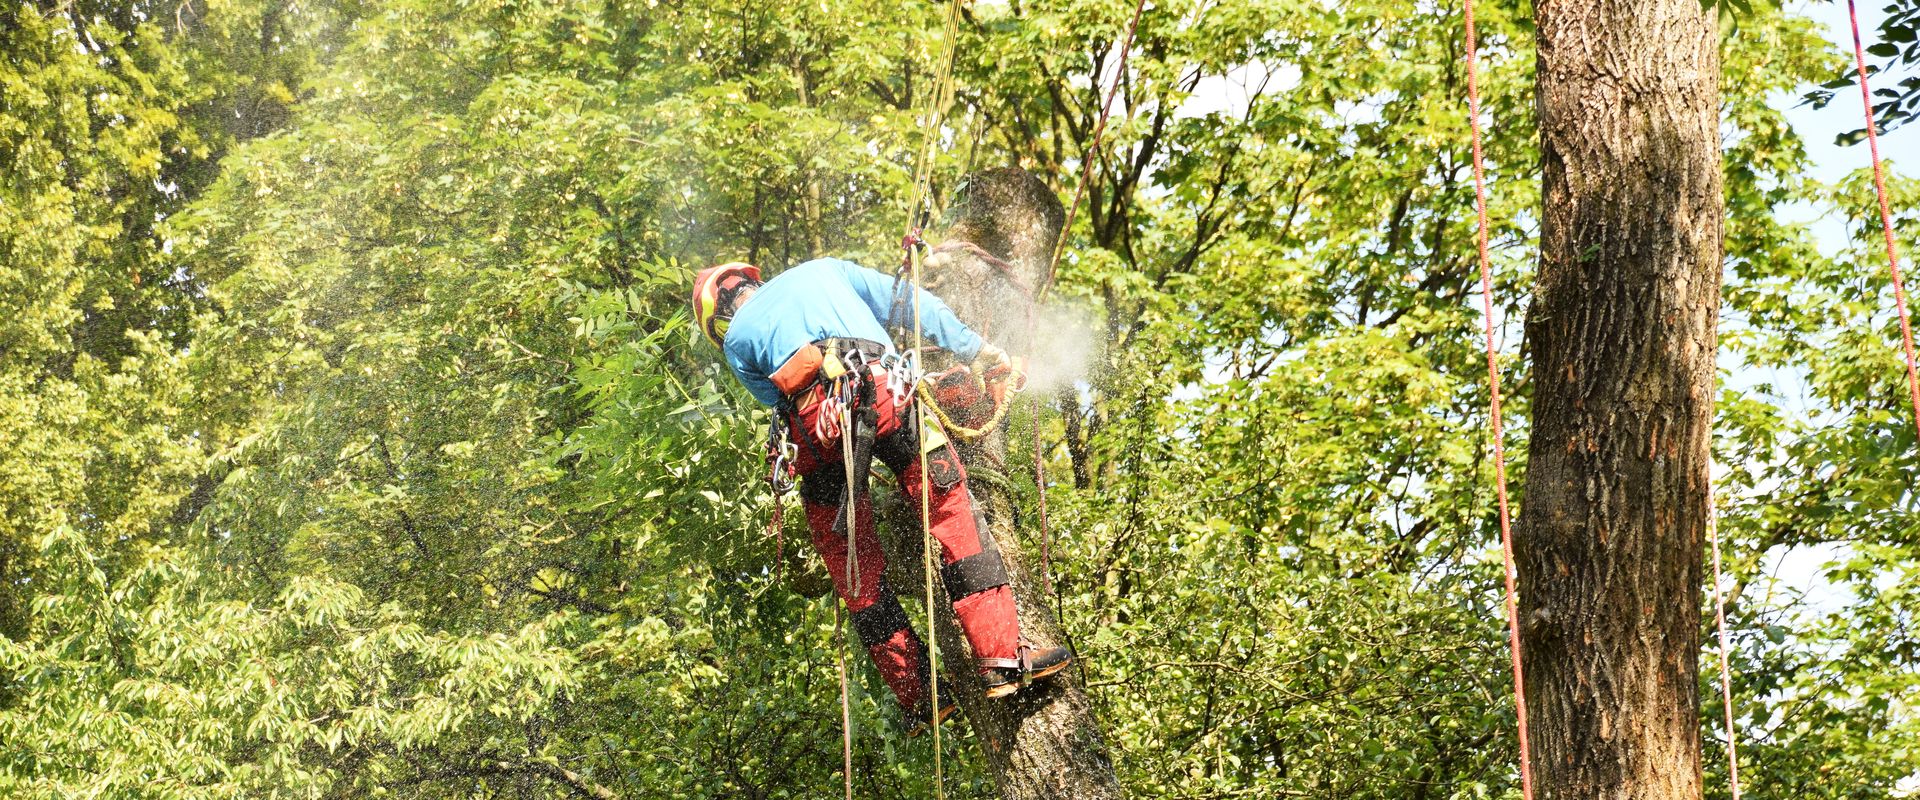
(1044,743)
(1622,336)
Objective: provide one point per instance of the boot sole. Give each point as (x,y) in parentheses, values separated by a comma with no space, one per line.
(922,727)
(997,692)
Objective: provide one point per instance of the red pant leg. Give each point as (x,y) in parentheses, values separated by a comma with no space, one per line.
(988,616)
(858,570)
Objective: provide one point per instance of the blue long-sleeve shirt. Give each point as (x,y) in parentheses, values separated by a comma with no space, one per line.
(823,298)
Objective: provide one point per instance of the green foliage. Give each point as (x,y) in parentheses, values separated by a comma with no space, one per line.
(1898,51)
(359,444)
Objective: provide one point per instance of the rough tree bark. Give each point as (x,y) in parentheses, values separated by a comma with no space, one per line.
(1045,743)
(1622,332)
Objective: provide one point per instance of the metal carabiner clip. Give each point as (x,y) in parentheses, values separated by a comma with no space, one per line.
(781,453)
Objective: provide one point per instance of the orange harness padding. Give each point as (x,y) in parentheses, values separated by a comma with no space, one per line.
(800,371)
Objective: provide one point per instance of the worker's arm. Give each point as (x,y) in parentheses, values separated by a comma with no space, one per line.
(760,386)
(937,321)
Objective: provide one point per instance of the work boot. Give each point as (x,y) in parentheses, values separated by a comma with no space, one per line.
(1032,665)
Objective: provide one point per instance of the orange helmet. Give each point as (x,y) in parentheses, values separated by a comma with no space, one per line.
(713,289)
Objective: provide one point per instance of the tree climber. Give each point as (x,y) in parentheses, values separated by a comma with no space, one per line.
(813,344)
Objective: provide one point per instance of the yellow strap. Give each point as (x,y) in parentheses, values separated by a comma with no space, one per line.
(933,437)
(831,367)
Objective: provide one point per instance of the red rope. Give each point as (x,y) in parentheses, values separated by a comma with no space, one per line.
(1886,217)
(1493,391)
(1046,282)
(1099,131)
(1008,271)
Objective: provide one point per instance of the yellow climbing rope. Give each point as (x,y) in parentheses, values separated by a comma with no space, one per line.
(922,192)
(927,541)
(1016,382)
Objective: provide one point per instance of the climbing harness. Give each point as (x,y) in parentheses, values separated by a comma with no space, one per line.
(1493,394)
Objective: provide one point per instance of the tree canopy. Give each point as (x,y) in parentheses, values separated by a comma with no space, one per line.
(357,442)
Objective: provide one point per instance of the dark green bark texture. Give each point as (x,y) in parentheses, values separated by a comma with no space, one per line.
(1621,333)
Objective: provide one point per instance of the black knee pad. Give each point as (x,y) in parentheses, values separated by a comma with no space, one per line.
(974,574)
(879,622)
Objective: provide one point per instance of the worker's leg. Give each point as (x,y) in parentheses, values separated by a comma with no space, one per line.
(975,578)
(878,618)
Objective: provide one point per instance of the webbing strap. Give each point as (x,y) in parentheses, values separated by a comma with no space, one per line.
(974,574)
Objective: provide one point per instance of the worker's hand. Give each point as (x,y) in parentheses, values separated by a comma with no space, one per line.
(937,260)
(991,357)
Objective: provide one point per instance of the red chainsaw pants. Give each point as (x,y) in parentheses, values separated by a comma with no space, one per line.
(971,568)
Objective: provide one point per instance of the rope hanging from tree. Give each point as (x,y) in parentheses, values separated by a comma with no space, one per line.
(922,193)
(1720,626)
(1499,450)
(1886,217)
(1046,282)
(1493,393)
(1913,385)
